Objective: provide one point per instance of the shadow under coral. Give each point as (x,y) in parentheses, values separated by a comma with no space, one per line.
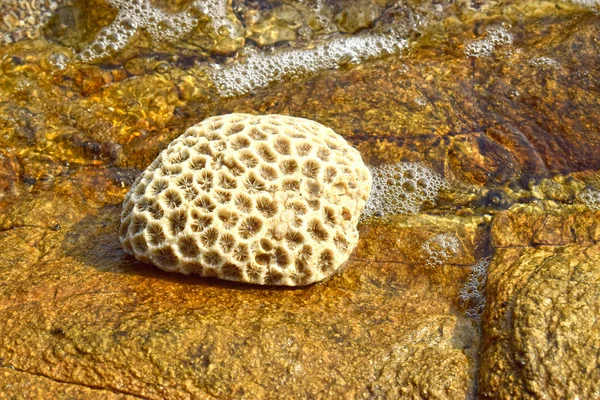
(94,241)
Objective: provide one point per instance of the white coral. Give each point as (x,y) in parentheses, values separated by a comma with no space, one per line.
(262,199)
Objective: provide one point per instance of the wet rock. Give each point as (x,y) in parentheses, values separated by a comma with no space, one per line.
(221,40)
(518,125)
(409,233)
(357,15)
(267,25)
(163,336)
(542,300)
(39,386)
(491,137)
(10,172)
(76,23)
(467,126)
(551,225)
(20,22)
(280,24)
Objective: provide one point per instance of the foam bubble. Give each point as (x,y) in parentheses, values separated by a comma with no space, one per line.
(440,248)
(586,3)
(161,26)
(259,70)
(402,188)
(496,36)
(591,198)
(544,62)
(58,61)
(472,294)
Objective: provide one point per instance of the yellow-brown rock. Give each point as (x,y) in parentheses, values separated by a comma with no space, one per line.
(20,384)
(541,332)
(516,127)
(78,310)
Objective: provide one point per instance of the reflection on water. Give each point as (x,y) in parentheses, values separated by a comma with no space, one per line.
(128,70)
(274,41)
(104,77)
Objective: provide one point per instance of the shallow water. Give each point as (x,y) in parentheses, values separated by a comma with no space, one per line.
(466,112)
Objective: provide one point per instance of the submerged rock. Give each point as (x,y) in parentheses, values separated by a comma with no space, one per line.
(512,130)
(540,328)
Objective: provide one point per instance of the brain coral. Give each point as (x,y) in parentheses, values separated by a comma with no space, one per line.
(265,199)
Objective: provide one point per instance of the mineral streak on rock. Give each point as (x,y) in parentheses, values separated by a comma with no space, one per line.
(261,199)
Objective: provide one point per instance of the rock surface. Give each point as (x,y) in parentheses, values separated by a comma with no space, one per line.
(541,331)
(80,311)
(514,132)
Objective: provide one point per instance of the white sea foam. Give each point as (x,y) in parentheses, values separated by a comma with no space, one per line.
(544,62)
(586,3)
(496,36)
(591,198)
(472,294)
(137,15)
(439,249)
(259,70)
(402,188)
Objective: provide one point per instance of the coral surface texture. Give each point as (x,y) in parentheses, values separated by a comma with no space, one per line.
(261,199)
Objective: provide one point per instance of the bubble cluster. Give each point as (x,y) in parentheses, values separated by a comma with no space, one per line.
(496,36)
(591,198)
(544,62)
(440,248)
(259,70)
(136,15)
(472,295)
(586,3)
(402,188)
(58,61)
(265,199)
